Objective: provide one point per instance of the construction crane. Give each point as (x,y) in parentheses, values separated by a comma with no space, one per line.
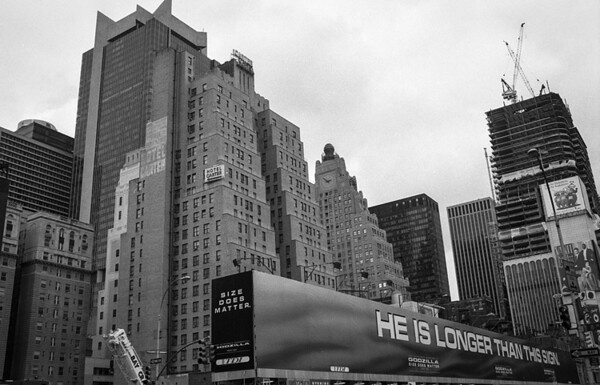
(509,92)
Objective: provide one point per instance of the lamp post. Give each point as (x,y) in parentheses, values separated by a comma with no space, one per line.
(173,282)
(336,265)
(535,153)
(363,274)
(237,263)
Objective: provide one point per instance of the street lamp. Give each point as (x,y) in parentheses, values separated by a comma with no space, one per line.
(363,274)
(336,265)
(535,153)
(173,282)
(237,263)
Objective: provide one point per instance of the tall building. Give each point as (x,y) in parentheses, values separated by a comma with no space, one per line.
(301,238)
(543,122)
(178,193)
(53,299)
(40,161)
(414,229)
(116,98)
(538,246)
(354,237)
(477,258)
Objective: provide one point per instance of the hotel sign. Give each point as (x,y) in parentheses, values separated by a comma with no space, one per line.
(214,173)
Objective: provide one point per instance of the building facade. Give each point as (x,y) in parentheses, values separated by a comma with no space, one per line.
(301,238)
(359,246)
(40,161)
(53,299)
(477,258)
(413,227)
(11,221)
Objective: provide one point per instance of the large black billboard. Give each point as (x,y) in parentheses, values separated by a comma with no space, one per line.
(301,328)
(232,323)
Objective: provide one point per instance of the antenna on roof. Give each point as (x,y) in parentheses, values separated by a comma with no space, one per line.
(487,162)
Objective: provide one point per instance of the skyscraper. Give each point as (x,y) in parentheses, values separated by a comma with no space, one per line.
(175,146)
(477,258)
(39,161)
(359,245)
(414,229)
(116,97)
(543,122)
(537,245)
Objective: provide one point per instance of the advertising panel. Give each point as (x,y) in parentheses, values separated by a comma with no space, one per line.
(587,268)
(300,327)
(232,327)
(568,196)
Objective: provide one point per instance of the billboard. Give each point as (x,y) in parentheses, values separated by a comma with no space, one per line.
(232,325)
(568,196)
(301,328)
(586,266)
(214,173)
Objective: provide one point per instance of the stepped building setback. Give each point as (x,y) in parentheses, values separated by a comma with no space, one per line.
(301,238)
(358,244)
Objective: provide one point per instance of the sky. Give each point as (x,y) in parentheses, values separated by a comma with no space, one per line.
(399,87)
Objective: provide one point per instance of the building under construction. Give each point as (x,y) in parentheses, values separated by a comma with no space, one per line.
(543,122)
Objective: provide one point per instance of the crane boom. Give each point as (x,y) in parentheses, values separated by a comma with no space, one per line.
(519,70)
(517,58)
(509,92)
(126,357)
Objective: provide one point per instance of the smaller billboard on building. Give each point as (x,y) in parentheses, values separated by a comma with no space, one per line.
(587,268)
(214,173)
(568,196)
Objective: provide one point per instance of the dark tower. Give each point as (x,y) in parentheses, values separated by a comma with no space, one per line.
(414,229)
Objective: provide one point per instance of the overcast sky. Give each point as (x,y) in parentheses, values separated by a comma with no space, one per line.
(400,88)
